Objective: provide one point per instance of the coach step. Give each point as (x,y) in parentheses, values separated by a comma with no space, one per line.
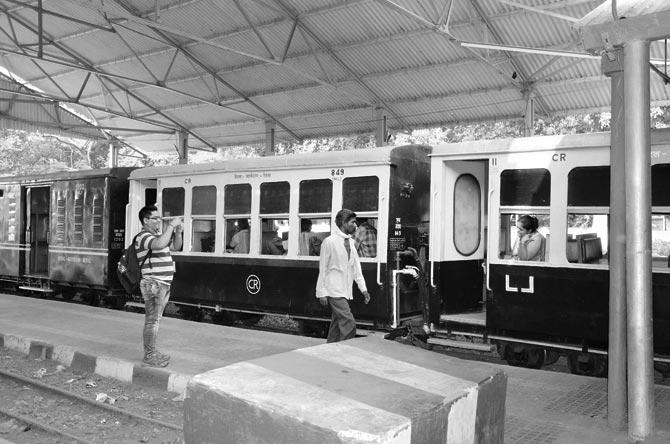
(465,345)
(39,289)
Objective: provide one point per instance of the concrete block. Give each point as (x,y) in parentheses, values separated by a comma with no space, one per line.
(365,390)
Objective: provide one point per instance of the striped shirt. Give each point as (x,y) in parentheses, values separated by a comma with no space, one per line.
(159,265)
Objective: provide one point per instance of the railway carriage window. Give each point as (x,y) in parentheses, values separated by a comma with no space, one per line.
(11,217)
(172,206)
(365,236)
(274,236)
(203,213)
(314,207)
(510,236)
(524,192)
(361,195)
(150,196)
(275,199)
(660,217)
(237,214)
(98,208)
(467,214)
(78,232)
(60,217)
(588,215)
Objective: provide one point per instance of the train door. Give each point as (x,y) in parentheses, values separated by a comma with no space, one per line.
(36,223)
(141,193)
(459,247)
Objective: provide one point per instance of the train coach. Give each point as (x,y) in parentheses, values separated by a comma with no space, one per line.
(252,230)
(64,232)
(534,310)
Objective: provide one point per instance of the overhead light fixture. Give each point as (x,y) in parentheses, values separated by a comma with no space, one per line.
(548,52)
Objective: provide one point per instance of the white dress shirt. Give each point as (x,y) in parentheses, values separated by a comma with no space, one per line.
(337,272)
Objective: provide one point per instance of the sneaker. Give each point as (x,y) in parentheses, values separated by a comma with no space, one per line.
(163,356)
(155,360)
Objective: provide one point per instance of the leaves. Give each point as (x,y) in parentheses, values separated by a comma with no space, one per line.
(34,153)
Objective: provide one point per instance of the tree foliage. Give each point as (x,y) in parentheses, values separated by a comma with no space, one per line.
(30,153)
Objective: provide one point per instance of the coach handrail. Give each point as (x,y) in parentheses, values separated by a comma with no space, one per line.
(379,271)
(431,239)
(486,257)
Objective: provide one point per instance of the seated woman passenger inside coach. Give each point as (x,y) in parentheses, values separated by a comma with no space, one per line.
(530,244)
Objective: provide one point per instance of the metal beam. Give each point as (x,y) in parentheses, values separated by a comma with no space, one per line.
(211,72)
(291,15)
(84,62)
(90,69)
(91,106)
(60,16)
(602,36)
(540,11)
(171,29)
(456,98)
(521,72)
(253,27)
(69,128)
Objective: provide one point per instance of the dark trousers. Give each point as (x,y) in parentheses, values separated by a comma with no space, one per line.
(342,324)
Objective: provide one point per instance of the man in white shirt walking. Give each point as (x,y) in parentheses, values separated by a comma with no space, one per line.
(339,267)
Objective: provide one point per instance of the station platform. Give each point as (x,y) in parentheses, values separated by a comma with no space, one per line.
(541,406)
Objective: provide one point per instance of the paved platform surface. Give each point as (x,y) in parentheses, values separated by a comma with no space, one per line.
(542,407)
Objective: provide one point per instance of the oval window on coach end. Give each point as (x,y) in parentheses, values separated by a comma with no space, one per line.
(467,214)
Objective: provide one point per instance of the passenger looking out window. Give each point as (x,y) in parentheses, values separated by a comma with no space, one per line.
(274,236)
(366,237)
(530,244)
(237,213)
(515,242)
(310,243)
(239,242)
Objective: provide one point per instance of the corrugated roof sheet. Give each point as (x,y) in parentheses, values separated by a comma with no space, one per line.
(219,69)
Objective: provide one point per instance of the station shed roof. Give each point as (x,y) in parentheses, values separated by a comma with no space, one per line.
(219,70)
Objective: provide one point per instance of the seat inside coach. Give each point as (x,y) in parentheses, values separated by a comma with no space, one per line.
(585,248)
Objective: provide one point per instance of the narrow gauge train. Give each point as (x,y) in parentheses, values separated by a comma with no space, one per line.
(64,232)
(253,227)
(533,310)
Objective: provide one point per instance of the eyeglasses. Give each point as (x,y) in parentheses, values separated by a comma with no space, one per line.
(155,218)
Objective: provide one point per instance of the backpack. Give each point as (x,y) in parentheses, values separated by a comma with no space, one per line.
(129,269)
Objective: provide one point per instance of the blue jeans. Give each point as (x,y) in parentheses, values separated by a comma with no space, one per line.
(342,324)
(156,295)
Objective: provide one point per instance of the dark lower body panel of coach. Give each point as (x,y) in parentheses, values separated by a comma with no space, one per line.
(545,304)
(279,286)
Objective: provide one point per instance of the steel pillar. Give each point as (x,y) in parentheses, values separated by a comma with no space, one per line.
(113,155)
(616,370)
(529,118)
(381,129)
(638,241)
(182,147)
(270,126)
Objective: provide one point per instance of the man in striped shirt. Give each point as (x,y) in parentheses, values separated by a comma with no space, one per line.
(157,271)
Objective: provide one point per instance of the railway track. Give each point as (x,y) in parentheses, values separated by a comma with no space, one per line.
(54,415)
